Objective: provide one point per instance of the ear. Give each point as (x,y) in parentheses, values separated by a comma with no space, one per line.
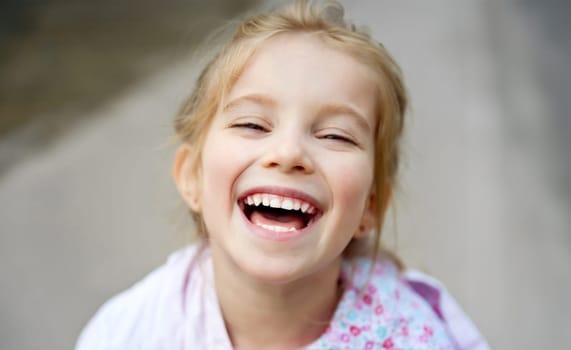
(185,178)
(369,218)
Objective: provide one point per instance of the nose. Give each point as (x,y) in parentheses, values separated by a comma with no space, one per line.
(288,156)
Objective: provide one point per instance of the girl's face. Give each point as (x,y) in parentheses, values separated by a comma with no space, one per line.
(287,166)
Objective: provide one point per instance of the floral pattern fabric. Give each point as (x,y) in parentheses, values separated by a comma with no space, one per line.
(379,310)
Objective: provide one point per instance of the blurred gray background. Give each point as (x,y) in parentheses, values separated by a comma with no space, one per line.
(87,207)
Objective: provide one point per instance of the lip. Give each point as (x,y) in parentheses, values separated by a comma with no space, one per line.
(285,192)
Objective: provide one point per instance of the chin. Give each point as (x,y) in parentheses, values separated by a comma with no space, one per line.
(273,270)
(286,269)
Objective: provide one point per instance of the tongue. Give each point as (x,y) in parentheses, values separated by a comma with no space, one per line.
(273,219)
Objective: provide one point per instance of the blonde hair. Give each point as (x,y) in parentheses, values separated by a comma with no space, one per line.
(326,21)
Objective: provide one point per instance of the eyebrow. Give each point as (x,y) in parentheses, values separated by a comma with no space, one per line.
(260,99)
(337,109)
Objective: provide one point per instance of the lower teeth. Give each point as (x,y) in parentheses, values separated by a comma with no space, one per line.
(276,228)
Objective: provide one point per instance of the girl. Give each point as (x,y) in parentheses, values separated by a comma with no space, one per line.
(289,154)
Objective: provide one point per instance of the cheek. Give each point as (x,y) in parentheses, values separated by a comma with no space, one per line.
(222,164)
(354,184)
(216,170)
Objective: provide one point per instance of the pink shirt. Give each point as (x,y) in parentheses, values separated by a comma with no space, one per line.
(175,307)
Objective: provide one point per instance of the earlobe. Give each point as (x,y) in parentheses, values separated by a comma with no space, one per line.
(185,178)
(369,219)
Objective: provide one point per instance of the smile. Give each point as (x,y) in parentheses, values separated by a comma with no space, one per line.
(279,213)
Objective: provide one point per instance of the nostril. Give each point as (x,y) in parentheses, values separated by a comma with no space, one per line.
(288,158)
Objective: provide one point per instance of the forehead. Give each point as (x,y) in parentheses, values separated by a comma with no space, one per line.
(302,68)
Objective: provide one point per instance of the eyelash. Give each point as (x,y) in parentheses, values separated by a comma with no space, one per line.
(336,137)
(251,126)
(260,128)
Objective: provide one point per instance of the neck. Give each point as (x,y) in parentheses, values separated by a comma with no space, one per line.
(263,315)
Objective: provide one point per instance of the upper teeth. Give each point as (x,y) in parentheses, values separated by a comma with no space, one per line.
(275,201)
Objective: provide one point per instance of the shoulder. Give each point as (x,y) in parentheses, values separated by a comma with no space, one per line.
(147,308)
(379,308)
(457,323)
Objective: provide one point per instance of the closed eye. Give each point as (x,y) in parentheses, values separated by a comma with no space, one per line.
(340,138)
(249,125)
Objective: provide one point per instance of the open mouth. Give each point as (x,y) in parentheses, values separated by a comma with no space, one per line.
(278,213)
